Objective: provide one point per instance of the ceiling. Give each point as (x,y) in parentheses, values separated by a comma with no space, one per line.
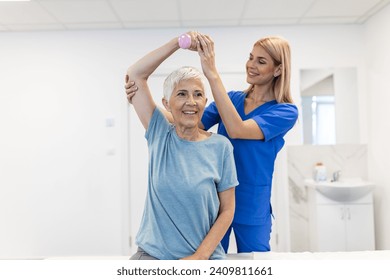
(130,14)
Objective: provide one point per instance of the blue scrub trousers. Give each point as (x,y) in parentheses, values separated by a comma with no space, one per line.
(249,238)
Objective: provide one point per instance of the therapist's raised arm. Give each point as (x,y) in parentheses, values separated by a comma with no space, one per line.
(235,126)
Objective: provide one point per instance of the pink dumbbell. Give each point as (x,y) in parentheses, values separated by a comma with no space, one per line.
(184,41)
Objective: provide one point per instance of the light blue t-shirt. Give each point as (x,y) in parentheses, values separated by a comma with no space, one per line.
(184,180)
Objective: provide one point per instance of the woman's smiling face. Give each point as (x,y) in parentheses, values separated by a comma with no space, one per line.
(187,103)
(260,67)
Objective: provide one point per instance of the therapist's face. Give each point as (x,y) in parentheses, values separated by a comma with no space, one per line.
(260,67)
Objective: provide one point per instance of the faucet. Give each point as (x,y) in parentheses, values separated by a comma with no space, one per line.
(336,175)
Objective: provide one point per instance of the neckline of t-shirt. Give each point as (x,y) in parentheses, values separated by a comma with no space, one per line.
(188,141)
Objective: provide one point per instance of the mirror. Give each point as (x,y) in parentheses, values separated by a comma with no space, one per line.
(330,119)
(329,106)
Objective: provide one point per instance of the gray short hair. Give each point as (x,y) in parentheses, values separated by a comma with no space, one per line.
(183,73)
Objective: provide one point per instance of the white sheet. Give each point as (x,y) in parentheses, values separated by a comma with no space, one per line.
(358,255)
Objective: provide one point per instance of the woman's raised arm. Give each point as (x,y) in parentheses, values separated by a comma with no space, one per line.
(139,73)
(235,126)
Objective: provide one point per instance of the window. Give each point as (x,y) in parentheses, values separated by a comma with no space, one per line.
(319,119)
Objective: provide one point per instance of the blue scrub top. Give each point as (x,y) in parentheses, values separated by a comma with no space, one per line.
(255,158)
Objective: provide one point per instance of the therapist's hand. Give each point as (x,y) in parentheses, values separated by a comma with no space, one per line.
(130,88)
(206,53)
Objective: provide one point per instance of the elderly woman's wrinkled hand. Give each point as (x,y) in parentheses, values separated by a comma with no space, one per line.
(194,40)
(195,256)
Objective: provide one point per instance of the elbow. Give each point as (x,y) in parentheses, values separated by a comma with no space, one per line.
(131,74)
(235,130)
(233,136)
(233,133)
(231,213)
(131,71)
(228,213)
(134,74)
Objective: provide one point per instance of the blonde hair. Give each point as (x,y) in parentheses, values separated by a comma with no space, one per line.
(279,50)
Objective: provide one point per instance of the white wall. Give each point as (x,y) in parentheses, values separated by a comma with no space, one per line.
(377,45)
(65,175)
(346,102)
(61,167)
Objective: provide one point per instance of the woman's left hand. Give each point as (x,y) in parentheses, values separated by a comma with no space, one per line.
(205,48)
(193,257)
(130,88)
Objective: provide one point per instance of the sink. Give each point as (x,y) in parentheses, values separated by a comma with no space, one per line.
(346,189)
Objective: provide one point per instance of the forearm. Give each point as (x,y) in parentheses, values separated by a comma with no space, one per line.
(221,225)
(215,235)
(235,126)
(140,71)
(229,115)
(226,109)
(145,66)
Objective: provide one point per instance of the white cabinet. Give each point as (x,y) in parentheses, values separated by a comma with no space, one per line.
(340,225)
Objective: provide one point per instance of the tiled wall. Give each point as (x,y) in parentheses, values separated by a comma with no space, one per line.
(350,159)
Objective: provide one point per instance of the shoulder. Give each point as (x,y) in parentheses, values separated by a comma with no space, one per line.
(221,141)
(157,117)
(236,94)
(219,138)
(237,97)
(160,116)
(286,108)
(158,124)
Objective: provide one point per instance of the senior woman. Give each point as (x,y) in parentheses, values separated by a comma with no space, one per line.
(192,177)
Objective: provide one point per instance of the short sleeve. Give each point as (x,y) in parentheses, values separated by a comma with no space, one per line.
(277,120)
(229,173)
(158,124)
(210,116)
